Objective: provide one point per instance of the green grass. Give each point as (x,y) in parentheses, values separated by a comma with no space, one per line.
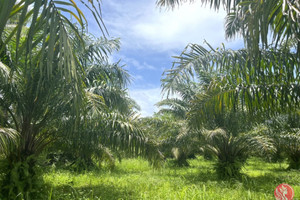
(134,179)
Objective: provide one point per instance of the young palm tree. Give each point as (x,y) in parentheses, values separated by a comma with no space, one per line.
(231,143)
(165,129)
(284,132)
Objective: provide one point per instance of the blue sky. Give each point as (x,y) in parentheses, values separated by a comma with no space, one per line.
(150,36)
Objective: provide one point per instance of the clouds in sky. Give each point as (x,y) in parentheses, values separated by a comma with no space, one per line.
(137,64)
(150,36)
(146,98)
(142,25)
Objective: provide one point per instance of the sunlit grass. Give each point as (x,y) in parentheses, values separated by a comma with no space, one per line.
(135,179)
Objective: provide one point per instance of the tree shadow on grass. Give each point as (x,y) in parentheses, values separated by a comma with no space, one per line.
(101,191)
(262,183)
(194,176)
(201,176)
(269,181)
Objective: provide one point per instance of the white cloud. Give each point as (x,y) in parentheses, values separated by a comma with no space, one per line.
(174,29)
(142,25)
(145,29)
(132,62)
(138,77)
(146,98)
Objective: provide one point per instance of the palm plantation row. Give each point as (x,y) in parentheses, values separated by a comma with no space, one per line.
(60,96)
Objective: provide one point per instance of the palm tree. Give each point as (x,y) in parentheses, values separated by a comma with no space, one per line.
(173,136)
(53,79)
(107,123)
(230,82)
(34,104)
(253,80)
(39,63)
(41,81)
(284,133)
(227,137)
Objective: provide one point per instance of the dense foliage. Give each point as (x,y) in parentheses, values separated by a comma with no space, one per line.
(224,93)
(64,105)
(59,93)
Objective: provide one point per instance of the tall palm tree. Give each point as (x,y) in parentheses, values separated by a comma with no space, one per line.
(39,62)
(41,80)
(107,122)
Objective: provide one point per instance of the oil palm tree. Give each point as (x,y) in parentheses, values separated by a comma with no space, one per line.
(229,82)
(38,64)
(283,131)
(106,126)
(52,76)
(41,81)
(165,128)
(233,149)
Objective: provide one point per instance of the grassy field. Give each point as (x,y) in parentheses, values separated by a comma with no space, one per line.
(134,179)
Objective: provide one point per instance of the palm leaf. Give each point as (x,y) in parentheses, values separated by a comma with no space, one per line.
(8,140)
(269,84)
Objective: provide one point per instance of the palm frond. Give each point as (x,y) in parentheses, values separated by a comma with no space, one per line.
(176,106)
(105,155)
(95,104)
(8,140)
(260,144)
(111,74)
(233,25)
(96,51)
(255,20)
(237,81)
(4,73)
(216,133)
(183,68)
